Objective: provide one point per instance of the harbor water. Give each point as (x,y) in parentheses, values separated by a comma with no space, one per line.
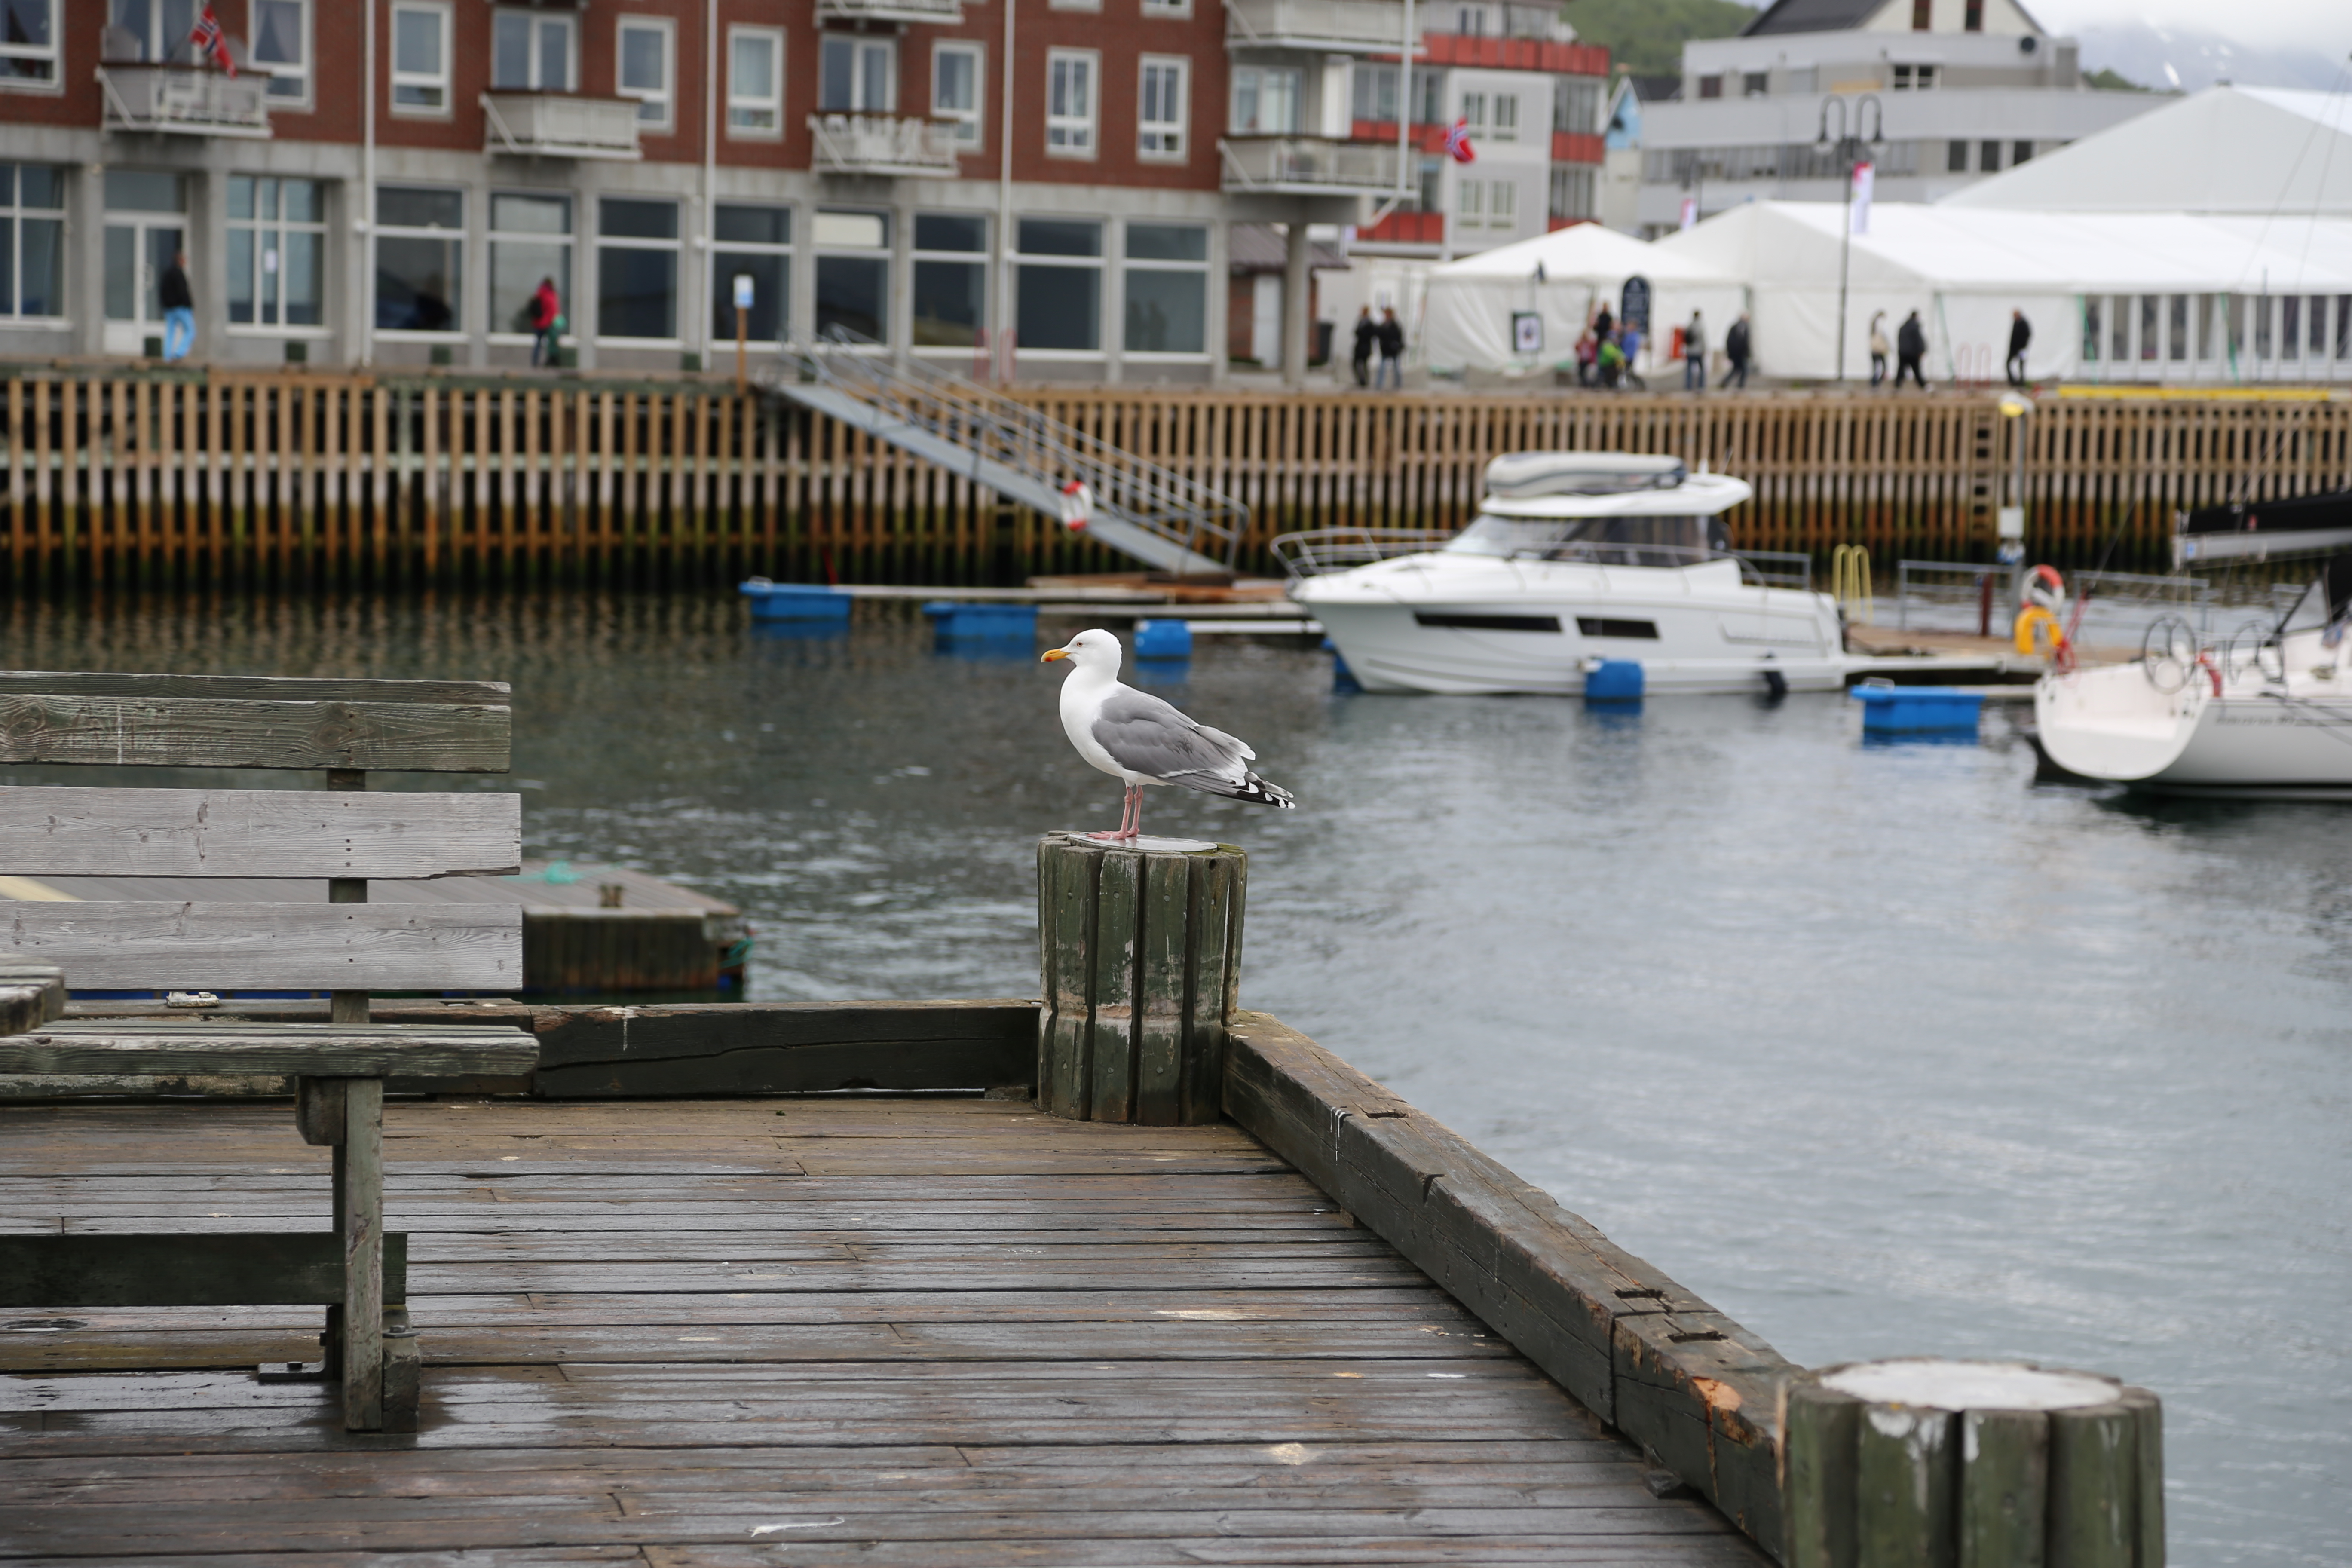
(1883,1048)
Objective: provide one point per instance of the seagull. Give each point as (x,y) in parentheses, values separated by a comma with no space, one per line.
(1134,736)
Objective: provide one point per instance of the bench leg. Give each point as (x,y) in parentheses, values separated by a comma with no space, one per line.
(359,1219)
(402,1367)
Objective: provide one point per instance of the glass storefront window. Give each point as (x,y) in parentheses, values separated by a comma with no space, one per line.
(420,251)
(277,252)
(531,242)
(636,270)
(1059,304)
(950,281)
(1166,288)
(32,240)
(753,242)
(852,273)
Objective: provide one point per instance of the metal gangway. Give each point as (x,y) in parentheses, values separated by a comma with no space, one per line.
(1137,507)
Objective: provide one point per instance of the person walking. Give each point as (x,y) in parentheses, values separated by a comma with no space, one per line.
(179,309)
(1367,336)
(1878,348)
(2020,332)
(1391,340)
(1695,353)
(1629,339)
(1910,348)
(1735,349)
(546,323)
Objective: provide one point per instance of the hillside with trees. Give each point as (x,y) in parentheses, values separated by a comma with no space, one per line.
(1647,37)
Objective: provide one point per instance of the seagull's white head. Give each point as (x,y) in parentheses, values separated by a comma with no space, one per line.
(1092,650)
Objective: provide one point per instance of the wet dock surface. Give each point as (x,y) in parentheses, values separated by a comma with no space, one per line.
(874,1331)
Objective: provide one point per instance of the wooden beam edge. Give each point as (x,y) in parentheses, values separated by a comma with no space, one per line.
(1646,1354)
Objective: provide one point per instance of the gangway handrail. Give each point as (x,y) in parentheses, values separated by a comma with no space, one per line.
(1000,430)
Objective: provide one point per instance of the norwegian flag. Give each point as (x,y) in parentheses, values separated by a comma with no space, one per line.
(208,39)
(1457,145)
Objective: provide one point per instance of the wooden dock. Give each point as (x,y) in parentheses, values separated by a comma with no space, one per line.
(879,1330)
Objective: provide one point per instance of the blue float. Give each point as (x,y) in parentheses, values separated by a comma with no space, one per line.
(1163,639)
(998,623)
(796,601)
(1887,708)
(1613,680)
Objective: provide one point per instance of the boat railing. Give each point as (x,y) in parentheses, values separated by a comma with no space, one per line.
(1317,551)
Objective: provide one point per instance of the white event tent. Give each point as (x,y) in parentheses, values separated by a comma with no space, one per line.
(2110,295)
(1561,277)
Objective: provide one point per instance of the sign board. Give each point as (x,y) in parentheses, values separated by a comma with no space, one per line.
(742,290)
(1526,333)
(1634,304)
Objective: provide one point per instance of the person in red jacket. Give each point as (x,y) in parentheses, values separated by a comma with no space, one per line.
(546,322)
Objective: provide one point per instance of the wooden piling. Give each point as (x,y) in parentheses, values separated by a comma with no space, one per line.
(1140,952)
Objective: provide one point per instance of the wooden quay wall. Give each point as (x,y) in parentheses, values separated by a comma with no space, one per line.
(137,477)
(681,1303)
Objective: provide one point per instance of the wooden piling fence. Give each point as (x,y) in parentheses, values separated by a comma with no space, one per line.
(133,477)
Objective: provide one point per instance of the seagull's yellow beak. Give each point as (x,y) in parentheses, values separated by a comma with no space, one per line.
(1051,653)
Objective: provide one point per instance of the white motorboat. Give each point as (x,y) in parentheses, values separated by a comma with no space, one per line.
(1575,558)
(2267,712)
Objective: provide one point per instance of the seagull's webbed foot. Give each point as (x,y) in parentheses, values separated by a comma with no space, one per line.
(1130,819)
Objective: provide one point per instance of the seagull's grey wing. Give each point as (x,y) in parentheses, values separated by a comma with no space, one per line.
(1147,736)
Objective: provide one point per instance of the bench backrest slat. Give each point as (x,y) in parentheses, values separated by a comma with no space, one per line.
(125,945)
(57,831)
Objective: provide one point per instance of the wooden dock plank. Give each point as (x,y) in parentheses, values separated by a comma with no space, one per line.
(925,1330)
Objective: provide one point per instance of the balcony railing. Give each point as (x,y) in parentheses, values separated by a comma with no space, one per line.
(1308,166)
(882,144)
(1323,25)
(560,125)
(947,11)
(185,100)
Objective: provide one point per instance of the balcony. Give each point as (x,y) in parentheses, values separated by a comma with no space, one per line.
(1308,166)
(560,125)
(947,11)
(1322,27)
(184,100)
(882,144)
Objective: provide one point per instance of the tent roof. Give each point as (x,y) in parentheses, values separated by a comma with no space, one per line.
(1976,250)
(1584,252)
(2251,150)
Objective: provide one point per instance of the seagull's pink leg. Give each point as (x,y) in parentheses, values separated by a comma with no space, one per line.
(1135,824)
(1129,807)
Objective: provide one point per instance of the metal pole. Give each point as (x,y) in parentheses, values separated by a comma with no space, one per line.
(1845,245)
(1404,110)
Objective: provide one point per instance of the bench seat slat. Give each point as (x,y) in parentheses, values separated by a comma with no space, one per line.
(230,732)
(202,946)
(251,1269)
(54,831)
(139,1046)
(250,688)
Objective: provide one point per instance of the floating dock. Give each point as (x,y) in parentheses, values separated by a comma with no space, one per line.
(586,929)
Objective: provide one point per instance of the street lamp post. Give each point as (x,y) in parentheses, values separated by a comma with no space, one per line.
(1850,143)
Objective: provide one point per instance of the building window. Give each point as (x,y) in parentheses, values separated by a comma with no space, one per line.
(531,52)
(957,71)
(1428,95)
(1428,195)
(1070,102)
(856,76)
(1167,286)
(636,270)
(158,29)
(2020,152)
(1923,15)
(753,242)
(1503,204)
(2262,309)
(531,243)
(1470,21)
(1576,105)
(1473,113)
(755,82)
(852,273)
(1059,301)
(1167,8)
(32,240)
(2149,325)
(1073,5)
(1571,192)
(644,70)
(1160,117)
(420,57)
(2176,339)
(420,249)
(1710,87)
(277,252)
(2343,326)
(1989,158)
(282,47)
(1914,79)
(1955,157)
(1972,16)
(28,40)
(1266,101)
(1373,95)
(2091,328)
(1507,117)
(2318,318)
(2119,327)
(1470,203)
(950,280)
(1755,84)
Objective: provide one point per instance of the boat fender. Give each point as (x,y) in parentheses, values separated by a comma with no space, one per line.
(2030,624)
(1776,685)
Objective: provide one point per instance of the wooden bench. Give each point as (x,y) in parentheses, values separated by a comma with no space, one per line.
(344,946)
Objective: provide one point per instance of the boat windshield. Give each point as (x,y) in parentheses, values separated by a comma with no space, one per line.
(1639,539)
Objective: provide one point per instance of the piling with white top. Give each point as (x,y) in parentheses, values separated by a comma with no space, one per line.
(1969,1464)
(1140,954)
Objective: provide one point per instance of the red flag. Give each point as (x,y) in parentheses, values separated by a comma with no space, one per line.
(208,39)
(1457,143)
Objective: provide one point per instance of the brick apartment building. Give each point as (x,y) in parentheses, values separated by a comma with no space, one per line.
(388,180)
